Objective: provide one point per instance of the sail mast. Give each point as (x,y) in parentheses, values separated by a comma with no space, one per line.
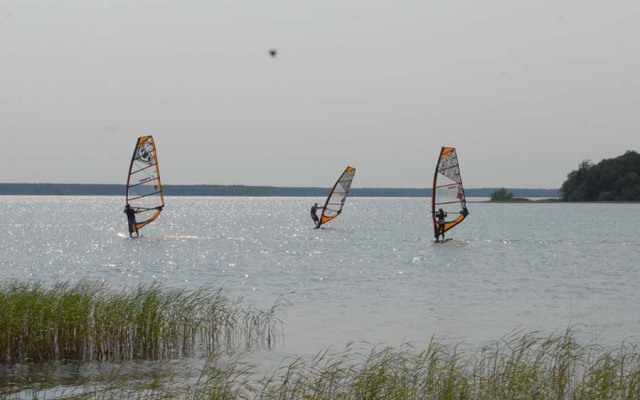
(433,194)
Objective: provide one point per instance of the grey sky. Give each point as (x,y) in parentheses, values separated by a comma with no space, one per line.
(525,90)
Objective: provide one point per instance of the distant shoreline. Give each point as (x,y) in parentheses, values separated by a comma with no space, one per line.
(81,189)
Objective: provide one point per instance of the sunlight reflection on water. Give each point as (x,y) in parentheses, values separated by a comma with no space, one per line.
(371,276)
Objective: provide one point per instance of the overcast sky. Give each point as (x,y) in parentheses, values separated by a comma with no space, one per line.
(525,90)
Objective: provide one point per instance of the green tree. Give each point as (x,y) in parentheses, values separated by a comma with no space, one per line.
(615,179)
(574,188)
(501,194)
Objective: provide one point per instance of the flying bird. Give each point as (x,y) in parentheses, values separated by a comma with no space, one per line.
(273,52)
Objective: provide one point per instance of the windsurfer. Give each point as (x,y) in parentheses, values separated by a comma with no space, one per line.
(131,219)
(314,216)
(440,215)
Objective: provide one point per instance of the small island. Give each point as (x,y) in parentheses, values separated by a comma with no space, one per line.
(503,195)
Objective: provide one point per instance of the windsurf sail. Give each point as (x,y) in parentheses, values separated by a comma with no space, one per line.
(144,189)
(447,192)
(337,196)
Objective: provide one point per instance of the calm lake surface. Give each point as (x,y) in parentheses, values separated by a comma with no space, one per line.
(373,276)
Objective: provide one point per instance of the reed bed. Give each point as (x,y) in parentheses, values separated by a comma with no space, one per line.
(93,325)
(518,366)
(89,322)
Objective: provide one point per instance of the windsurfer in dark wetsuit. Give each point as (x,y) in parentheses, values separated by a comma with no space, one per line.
(440,216)
(131,219)
(314,217)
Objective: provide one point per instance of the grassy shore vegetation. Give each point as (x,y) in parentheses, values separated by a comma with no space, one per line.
(518,366)
(89,322)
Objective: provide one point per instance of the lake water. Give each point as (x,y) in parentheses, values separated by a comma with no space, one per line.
(372,276)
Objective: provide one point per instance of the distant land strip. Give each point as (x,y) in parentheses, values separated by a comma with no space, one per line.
(81,189)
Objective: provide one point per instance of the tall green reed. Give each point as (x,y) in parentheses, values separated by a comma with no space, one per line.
(518,366)
(90,322)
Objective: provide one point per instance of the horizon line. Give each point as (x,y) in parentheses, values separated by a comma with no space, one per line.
(276,186)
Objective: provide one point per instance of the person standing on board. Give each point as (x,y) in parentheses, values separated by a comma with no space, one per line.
(314,217)
(131,219)
(440,216)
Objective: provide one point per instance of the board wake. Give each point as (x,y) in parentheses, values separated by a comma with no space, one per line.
(125,235)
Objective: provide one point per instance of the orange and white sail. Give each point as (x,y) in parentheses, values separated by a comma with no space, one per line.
(337,196)
(144,188)
(447,192)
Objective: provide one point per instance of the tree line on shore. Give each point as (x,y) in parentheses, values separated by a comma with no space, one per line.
(612,179)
